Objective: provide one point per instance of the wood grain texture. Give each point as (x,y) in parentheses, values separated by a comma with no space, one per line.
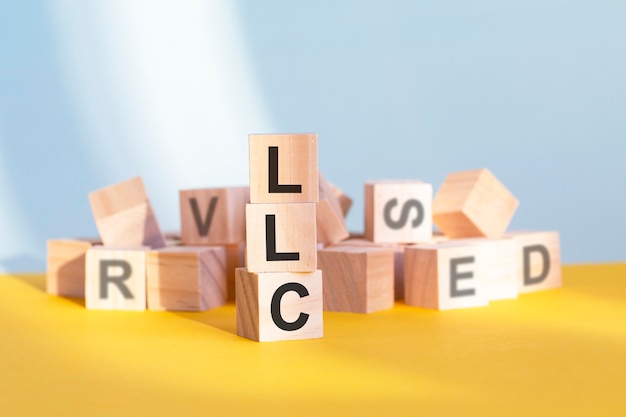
(113,287)
(358,279)
(473,204)
(538,260)
(213,216)
(398,259)
(330,220)
(255,292)
(297,165)
(295,232)
(398,211)
(444,276)
(235,258)
(124,215)
(186,278)
(66,266)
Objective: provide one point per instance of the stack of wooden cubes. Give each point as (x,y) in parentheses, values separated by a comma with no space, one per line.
(279,294)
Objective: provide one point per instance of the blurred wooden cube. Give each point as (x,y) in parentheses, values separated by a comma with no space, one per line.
(213,216)
(124,215)
(398,211)
(283,168)
(473,204)
(345,202)
(444,276)
(279,305)
(115,278)
(357,279)
(186,278)
(235,258)
(538,260)
(66,266)
(281,237)
(398,259)
(330,220)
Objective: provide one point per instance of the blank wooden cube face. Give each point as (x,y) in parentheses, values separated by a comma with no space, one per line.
(538,260)
(473,204)
(281,237)
(124,215)
(444,276)
(213,216)
(357,279)
(66,267)
(115,278)
(186,278)
(398,259)
(283,168)
(398,211)
(279,305)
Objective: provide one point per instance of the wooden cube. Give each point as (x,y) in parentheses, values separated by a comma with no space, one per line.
(283,168)
(172,239)
(331,224)
(115,278)
(398,259)
(345,202)
(66,266)
(279,305)
(398,211)
(357,279)
(213,216)
(538,260)
(124,215)
(473,204)
(444,276)
(235,258)
(281,237)
(186,278)
(500,266)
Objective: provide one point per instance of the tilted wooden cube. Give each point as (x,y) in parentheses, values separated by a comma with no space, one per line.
(345,201)
(444,276)
(538,260)
(398,211)
(66,266)
(281,237)
(473,204)
(213,216)
(186,278)
(357,279)
(279,305)
(124,215)
(330,220)
(115,278)
(283,168)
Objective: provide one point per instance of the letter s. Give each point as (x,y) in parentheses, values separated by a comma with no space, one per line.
(404,215)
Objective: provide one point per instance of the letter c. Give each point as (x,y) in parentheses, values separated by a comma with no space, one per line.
(275,307)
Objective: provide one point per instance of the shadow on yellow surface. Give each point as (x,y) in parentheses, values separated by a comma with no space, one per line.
(559,352)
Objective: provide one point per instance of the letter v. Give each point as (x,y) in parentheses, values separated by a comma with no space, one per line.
(203,225)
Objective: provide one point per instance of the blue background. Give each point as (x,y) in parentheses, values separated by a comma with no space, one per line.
(92,94)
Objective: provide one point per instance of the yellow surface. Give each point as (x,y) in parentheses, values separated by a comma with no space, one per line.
(555,353)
